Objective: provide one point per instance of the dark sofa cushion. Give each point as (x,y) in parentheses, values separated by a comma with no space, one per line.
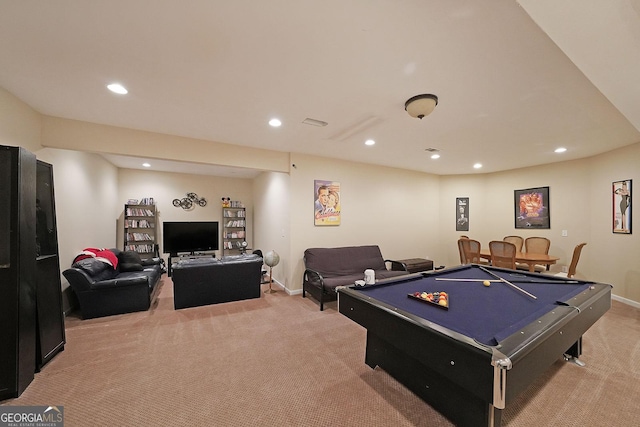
(345,261)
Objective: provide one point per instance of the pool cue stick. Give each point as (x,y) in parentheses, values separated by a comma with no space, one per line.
(507,282)
(467,280)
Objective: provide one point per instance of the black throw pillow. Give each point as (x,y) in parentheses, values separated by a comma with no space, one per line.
(129,261)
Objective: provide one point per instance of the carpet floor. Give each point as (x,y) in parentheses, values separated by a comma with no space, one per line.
(279,361)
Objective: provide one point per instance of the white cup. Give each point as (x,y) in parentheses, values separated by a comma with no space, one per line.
(359,282)
(369,277)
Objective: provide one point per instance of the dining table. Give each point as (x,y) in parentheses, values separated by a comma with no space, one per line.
(528,258)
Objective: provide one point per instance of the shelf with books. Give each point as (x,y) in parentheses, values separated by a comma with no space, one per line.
(234,228)
(140,227)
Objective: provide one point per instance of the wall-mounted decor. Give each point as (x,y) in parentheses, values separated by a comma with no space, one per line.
(189,201)
(327,202)
(622,207)
(462,214)
(532,208)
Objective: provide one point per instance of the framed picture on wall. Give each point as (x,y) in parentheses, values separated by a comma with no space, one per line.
(532,209)
(327,206)
(462,214)
(621,207)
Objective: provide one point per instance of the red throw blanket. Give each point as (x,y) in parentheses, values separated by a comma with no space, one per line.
(100,254)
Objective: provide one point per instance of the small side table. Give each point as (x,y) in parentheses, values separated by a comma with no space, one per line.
(413,265)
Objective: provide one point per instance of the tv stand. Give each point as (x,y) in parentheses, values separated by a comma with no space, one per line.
(192,255)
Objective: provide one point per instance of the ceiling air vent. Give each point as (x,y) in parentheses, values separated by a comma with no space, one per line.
(431,150)
(314,122)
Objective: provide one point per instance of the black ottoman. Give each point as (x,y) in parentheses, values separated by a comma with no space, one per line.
(207,281)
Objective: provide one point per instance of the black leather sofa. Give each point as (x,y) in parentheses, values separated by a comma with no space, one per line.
(204,281)
(104,291)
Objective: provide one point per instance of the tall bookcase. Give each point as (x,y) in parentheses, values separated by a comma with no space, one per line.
(140,228)
(234,229)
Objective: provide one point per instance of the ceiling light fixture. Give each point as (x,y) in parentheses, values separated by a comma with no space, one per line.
(435,156)
(146,165)
(369,142)
(275,123)
(560,150)
(117,88)
(477,166)
(420,106)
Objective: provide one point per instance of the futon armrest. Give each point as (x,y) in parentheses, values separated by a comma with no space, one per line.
(151,261)
(313,277)
(396,265)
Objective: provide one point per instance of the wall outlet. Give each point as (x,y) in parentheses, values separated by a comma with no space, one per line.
(564,233)
(565,269)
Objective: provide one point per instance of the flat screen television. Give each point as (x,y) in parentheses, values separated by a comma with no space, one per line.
(192,236)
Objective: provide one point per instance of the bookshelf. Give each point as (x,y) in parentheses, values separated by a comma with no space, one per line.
(140,218)
(234,229)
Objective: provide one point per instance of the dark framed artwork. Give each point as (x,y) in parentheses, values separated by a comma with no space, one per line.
(327,206)
(462,214)
(621,204)
(532,208)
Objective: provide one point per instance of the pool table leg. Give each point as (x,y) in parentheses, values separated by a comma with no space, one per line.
(574,352)
(456,403)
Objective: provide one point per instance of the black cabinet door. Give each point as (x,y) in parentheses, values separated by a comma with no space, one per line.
(17,270)
(50,336)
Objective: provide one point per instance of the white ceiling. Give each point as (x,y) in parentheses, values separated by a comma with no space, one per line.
(219,70)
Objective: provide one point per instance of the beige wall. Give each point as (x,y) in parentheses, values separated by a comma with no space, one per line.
(393,208)
(20,125)
(164,187)
(271,221)
(409,214)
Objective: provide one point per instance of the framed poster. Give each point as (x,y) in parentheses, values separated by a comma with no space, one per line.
(327,206)
(462,214)
(532,208)
(622,207)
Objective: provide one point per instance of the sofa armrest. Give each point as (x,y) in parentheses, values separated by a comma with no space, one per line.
(78,279)
(396,265)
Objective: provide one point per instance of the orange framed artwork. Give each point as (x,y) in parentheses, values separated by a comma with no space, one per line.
(327,205)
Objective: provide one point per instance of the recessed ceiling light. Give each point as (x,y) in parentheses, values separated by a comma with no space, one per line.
(435,156)
(560,150)
(117,88)
(369,142)
(275,123)
(477,166)
(146,165)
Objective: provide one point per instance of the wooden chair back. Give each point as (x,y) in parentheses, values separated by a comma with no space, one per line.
(574,260)
(503,254)
(469,251)
(537,245)
(516,240)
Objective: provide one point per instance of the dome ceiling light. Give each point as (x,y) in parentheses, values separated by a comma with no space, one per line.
(420,106)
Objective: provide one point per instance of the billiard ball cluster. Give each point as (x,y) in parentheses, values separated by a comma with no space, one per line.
(440,298)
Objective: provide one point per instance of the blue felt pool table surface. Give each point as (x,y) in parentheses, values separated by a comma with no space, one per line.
(485,314)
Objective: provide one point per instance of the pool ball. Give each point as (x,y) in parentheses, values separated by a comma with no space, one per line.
(486,283)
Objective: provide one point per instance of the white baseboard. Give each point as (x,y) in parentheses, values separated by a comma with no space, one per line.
(627,301)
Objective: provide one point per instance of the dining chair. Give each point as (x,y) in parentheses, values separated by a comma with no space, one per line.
(503,254)
(469,251)
(537,245)
(516,240)
(574,262)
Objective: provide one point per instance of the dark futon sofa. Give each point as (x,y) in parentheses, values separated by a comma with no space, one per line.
(108,284)
(328,268)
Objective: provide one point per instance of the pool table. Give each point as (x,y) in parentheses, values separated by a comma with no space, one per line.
(471,359)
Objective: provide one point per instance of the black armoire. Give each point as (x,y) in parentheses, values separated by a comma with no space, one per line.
(31,317)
